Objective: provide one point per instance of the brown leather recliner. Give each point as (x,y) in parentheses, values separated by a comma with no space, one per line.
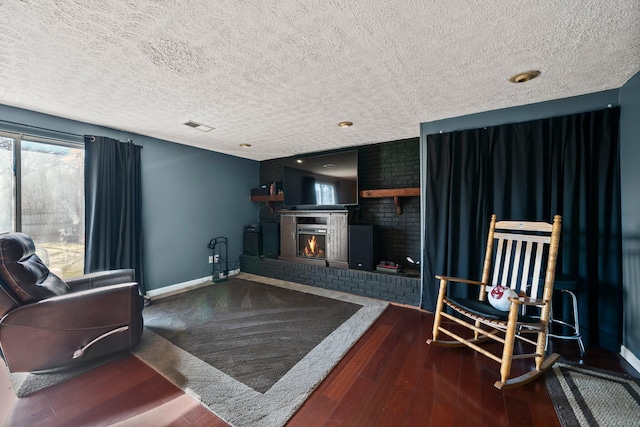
(46,323)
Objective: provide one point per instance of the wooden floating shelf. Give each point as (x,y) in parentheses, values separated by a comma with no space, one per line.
(396,193)
(269,199)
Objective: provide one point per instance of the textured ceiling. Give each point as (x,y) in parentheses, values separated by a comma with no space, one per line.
(281,75)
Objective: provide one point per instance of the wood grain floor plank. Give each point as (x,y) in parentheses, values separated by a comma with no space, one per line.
(316,415)
(395,408)
(340,386)
(379,394)
(421,405)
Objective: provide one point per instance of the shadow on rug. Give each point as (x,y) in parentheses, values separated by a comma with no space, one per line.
(584,396)
(26,383)
(283,393)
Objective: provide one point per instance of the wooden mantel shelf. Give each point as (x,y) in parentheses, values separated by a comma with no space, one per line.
(396,193)
(268,199)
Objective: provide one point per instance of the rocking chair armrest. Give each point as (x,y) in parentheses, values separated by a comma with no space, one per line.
(459,280)
(528,301)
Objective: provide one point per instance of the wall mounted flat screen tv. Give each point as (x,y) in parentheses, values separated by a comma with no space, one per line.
(321,181)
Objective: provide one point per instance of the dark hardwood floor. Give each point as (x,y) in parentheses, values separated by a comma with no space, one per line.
(391,377)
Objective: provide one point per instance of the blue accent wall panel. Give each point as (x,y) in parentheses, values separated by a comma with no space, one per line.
(190,195)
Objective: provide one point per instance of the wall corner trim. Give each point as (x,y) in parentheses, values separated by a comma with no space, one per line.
(630,357)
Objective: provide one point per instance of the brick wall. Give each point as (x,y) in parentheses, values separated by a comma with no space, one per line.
(385,165)
(392,165)
(388,287)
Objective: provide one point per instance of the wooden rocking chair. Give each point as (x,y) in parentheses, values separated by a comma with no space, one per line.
(517,264)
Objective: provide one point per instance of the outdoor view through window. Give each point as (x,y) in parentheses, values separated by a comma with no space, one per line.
(44,198)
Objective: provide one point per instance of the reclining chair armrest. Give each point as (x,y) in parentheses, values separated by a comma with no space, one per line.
(72,328)
(83,309)
(100,279)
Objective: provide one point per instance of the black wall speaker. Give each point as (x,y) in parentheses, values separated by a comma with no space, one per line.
(363,252)
(252,241)
(270,239)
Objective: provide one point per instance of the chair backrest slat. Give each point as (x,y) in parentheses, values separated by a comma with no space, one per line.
(516,260)
(544,227)
(506,265)
(524,282)
(537,269)
(498,262)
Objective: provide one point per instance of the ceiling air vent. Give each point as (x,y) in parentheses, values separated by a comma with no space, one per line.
(199,126)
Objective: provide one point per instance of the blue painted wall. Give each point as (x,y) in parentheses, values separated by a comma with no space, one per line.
(190,195)
(628,98)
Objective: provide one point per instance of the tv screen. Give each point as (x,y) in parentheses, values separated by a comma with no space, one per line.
(323,180)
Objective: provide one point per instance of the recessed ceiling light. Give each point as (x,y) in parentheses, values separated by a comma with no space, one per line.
(524,77)
(245,145)
(299,161)
(345,124)
(199,126)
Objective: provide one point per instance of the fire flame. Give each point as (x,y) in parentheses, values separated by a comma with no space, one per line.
(311,248)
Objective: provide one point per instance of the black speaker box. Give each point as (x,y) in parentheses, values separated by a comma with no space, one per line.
(270,239)
(260,191)
(363,252)
(252,241)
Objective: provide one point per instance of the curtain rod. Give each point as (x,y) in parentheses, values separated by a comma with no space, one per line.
(41,128)
(92,138)
(52,130)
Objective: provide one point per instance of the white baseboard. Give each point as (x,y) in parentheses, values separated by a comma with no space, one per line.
(630,357)
(177,288)
(184,286)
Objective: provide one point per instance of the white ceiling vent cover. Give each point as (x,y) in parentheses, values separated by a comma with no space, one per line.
(199,126)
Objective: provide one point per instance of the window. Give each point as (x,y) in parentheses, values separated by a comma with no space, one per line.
(42,194)
(325,194)
(7,184)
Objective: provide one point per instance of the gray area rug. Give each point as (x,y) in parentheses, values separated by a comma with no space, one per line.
(584,396)
(251,331)
(238,403)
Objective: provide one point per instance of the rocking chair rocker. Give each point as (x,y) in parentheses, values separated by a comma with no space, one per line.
(518,265)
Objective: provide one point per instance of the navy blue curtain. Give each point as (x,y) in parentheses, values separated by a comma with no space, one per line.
(113,206)
(531,171)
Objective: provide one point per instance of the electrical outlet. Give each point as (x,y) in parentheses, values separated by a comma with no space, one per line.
(210,259)
(216,258)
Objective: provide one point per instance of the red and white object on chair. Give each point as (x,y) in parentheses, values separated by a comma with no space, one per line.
(499,297)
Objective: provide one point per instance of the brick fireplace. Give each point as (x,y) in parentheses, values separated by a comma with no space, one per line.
(390,165)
